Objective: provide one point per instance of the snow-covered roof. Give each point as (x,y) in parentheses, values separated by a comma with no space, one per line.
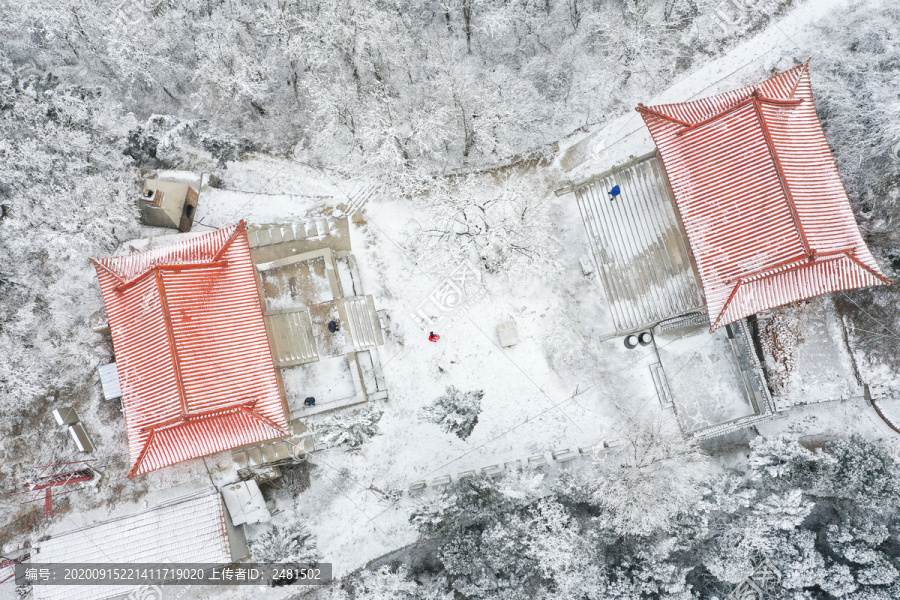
(245,503)
(638,244)
(109,380)
(192,355)
(760,196)
(187,530)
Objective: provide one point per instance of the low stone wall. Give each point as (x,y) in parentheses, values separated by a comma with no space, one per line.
(535,461)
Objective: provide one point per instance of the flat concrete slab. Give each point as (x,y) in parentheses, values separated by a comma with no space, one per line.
(299,283)
(823,367)
(328,380)
(704,377)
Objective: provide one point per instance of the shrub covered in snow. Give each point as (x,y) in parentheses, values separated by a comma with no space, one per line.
(349,429)
(284,543)
(456,412)
(779,339)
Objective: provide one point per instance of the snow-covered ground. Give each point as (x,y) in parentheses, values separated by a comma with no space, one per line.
(559,387)
(710,388)
(528,404)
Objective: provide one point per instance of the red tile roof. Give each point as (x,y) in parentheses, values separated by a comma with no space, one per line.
(194,362)
(760,197)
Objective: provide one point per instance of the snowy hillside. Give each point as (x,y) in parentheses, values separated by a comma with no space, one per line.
(389,170)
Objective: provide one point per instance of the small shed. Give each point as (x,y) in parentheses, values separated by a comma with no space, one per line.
(245,503)
(109,380)
(81,438)
(68,417)
(65,415)
(507,333)
(166,203)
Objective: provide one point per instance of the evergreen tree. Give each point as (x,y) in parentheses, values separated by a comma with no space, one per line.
(288,543)
(455,412)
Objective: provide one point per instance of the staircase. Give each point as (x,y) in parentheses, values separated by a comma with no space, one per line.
(276,234)
(689,320)
(358,198)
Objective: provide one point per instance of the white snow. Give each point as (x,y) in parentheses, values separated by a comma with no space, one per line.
(559,387)
(777,48)
(704,378)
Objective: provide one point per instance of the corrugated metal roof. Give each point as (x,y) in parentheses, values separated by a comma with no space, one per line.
(185,531)
(638,244)
(194,363)
(760,197)
(109,379)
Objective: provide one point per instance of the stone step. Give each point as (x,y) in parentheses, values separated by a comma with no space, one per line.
(277,234)
(689,320)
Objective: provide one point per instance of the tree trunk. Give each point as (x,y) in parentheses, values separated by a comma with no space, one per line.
(467,23)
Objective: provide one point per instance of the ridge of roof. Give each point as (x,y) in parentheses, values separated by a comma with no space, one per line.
(247,409)
(202,251)
(726,100)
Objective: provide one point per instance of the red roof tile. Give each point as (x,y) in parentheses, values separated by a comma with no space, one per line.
(760,196)
(194,362)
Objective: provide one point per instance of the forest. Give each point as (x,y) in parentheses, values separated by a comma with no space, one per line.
(656,521)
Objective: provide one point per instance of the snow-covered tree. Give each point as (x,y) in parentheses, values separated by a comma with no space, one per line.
(289,542)
(473,502)
(643,486)
(784,463)
(497,221)
(383,583)
(351,429)
(863,472)
(456,412)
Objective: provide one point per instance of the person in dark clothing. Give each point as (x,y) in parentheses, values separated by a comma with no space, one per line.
(333,326)
(310,401)
(433,337)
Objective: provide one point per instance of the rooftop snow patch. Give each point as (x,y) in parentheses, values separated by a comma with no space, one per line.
(191,530)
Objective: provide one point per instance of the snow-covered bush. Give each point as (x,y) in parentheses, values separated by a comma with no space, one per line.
(827,520)
(351,429)
(780,338)
(784,463)
(456,412)
(378,584)
(64,187)
(855,77)
(863,472)
(284,543)
(399,90)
